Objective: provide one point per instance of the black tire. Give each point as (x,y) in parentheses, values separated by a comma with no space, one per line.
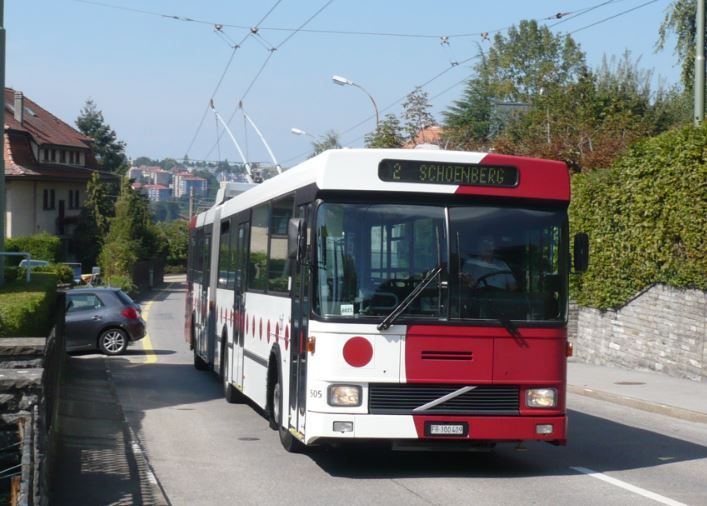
(289,442)
(113,342)
(199,363)
(230,393)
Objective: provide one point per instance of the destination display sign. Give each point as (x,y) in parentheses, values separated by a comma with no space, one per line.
(463,174)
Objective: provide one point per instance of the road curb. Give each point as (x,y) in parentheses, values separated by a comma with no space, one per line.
(651,407)
(147,476)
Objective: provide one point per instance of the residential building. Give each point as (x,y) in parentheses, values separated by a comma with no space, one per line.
(135,173)
(184,182)
(47,166)
(157,192)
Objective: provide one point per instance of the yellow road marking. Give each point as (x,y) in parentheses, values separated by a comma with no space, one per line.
(150,357)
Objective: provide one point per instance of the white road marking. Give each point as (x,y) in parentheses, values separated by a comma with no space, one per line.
(627,486)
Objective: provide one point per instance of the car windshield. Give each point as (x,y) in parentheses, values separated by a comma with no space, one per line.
(499,263)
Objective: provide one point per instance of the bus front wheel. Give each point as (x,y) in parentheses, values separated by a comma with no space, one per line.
(289,442)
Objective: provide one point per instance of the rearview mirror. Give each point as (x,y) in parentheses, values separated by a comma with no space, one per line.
(581,252)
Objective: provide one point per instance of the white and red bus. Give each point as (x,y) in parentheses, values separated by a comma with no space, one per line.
(414,296)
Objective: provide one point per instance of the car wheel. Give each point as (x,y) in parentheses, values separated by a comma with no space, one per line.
(289,442)
(113,342)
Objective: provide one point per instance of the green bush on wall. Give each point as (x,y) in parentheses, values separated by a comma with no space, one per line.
(646,217)
(41,246)
(26,310)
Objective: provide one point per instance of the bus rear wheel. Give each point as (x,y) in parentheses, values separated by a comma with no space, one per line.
(289,442)
(199,363)
(229,391)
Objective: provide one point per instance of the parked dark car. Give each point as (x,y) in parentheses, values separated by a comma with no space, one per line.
(105,319)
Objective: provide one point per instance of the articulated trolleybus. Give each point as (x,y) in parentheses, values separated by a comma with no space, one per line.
(413,296)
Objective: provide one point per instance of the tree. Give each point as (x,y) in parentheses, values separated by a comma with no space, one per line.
(388,134)
(109,151)
(165,211)
(590,122)
(530,58)
(330,140)
(416,113)
(93,222)
(144,160)
(176,233)
(468,120)
(680,20)
(132,235)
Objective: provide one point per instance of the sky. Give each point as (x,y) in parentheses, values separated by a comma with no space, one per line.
(153,76)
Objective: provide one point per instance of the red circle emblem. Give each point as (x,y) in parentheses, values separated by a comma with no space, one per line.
(358,351)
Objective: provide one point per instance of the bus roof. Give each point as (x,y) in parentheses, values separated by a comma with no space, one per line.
(358,170)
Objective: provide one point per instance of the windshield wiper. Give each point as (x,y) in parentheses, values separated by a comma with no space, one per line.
(400,308)
(507,323)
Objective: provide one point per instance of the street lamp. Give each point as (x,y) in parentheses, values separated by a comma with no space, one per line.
(342,81)
(297,131)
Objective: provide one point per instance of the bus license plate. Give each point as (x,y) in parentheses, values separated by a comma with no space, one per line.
(446,429)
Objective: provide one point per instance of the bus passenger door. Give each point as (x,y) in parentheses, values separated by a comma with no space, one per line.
(241,260)
(204,299)
(299,327)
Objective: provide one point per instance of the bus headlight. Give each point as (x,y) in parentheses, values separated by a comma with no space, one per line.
(344,395)
(541,398)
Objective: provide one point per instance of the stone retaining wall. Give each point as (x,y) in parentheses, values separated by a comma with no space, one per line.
(662,329)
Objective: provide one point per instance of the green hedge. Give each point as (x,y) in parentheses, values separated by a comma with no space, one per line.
(26,310)
(41,246)
(646,218)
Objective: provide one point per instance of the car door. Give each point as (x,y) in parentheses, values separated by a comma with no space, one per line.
(85,317)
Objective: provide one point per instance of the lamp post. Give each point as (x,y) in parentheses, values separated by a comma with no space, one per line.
(298,131)
(342,81)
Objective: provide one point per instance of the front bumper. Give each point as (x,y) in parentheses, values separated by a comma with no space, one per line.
(394,427)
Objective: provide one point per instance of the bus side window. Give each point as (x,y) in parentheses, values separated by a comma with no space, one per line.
(278,268)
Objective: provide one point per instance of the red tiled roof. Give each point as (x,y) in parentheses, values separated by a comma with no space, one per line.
(45,129)
(43,126)
(428,135)
(155,187)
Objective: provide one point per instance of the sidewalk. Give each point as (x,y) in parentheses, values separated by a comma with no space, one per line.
(99,460)
(648,391)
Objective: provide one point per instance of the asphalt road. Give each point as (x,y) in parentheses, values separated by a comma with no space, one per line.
(205,451)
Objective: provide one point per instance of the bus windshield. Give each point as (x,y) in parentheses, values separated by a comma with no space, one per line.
(496,263)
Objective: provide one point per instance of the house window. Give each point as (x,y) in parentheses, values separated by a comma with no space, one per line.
(48,202)
(53,155)
(73,199)
(62,156)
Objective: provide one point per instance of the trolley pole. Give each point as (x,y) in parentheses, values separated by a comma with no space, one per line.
(700,64)
(2,141)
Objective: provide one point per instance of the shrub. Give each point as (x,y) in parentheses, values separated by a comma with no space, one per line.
(26,310)
(117,258)
(646,218)
(41,246)
(122,282)
(11,274)
(63,273)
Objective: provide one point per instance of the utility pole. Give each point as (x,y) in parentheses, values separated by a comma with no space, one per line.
(700,64)
(2,141)
(191,202)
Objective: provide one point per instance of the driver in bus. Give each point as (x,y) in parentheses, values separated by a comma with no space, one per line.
(486,271)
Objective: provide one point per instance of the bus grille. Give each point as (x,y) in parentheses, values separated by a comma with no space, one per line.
(399,399)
